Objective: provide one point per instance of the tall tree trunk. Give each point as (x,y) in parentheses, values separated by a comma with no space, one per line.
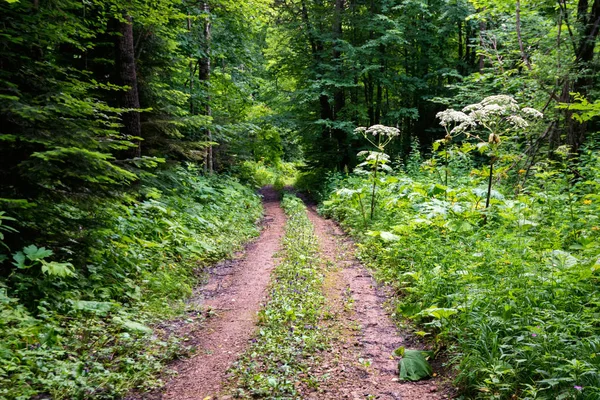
(339,97)
(460,46)
(482,29)
(576,131)
(325,108)
(192,70)
(518,27)
(127,75)
(204,77)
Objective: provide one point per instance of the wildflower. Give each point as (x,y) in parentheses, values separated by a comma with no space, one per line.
(587,202)
(472,107)
(382,130)
(374,155)
(517,121)
(577,387)
(452,116)
(522,171)
(463,126)
(532,112)
(534,334)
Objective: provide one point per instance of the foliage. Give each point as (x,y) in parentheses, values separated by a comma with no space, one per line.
(84,329)
(376,160)
(499,115)
(289,336)
(258,174)
(513,300)
(413,365)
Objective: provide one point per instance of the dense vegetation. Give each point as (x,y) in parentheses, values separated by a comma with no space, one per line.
(79,331)
(126,127)
(508,285)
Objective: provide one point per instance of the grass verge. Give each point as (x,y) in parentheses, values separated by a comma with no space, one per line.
(289,337)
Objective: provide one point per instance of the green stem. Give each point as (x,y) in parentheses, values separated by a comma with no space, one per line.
(446,175)
(374,187)
(489,191)
(362,211)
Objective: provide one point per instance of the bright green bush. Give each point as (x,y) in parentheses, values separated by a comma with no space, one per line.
(259,174)
(88,334)
(514,296)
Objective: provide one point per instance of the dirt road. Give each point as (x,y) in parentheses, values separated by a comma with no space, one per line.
(359,364)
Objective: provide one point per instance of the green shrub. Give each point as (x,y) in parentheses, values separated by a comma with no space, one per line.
(514,297)
(89,333)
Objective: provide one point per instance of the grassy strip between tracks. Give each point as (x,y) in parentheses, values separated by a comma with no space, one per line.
(289,336)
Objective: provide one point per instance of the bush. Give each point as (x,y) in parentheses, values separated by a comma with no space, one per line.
(89,333)
(514,295)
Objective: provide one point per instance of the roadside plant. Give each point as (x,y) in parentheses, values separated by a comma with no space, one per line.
(454,123)
(379,136)
(499,116)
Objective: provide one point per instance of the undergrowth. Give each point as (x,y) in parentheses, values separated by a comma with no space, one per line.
(510,292)
(82,328)
(259,173)
(289,335)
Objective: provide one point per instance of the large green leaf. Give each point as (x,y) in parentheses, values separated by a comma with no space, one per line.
(97,307)
(413,366)
(57,269)
(136,326)
(36,253)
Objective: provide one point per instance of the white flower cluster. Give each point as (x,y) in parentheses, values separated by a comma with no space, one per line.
(502,100)
(490,113)
(517,121)
(492,106)
(374,156)
(532,112)
(379,130)
(451,116)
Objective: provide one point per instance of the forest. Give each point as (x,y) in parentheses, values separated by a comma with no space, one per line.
(455,143)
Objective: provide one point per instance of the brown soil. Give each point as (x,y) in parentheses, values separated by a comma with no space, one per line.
(360,364)
(231,299)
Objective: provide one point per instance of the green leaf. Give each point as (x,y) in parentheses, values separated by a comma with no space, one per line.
(57,269)
(36,253)
(389,237)
(562,259)
(414,366)
(19,258)
(385,236)
(439,313)
(136,326)
(98,307)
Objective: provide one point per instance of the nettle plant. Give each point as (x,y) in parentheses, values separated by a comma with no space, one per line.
(379,136)
(499,116)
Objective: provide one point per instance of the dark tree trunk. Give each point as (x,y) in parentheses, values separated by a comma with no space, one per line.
(339,97)
(460,41)
(518,27)
(127,75)
(576,132)
(204,77)
(482,29)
